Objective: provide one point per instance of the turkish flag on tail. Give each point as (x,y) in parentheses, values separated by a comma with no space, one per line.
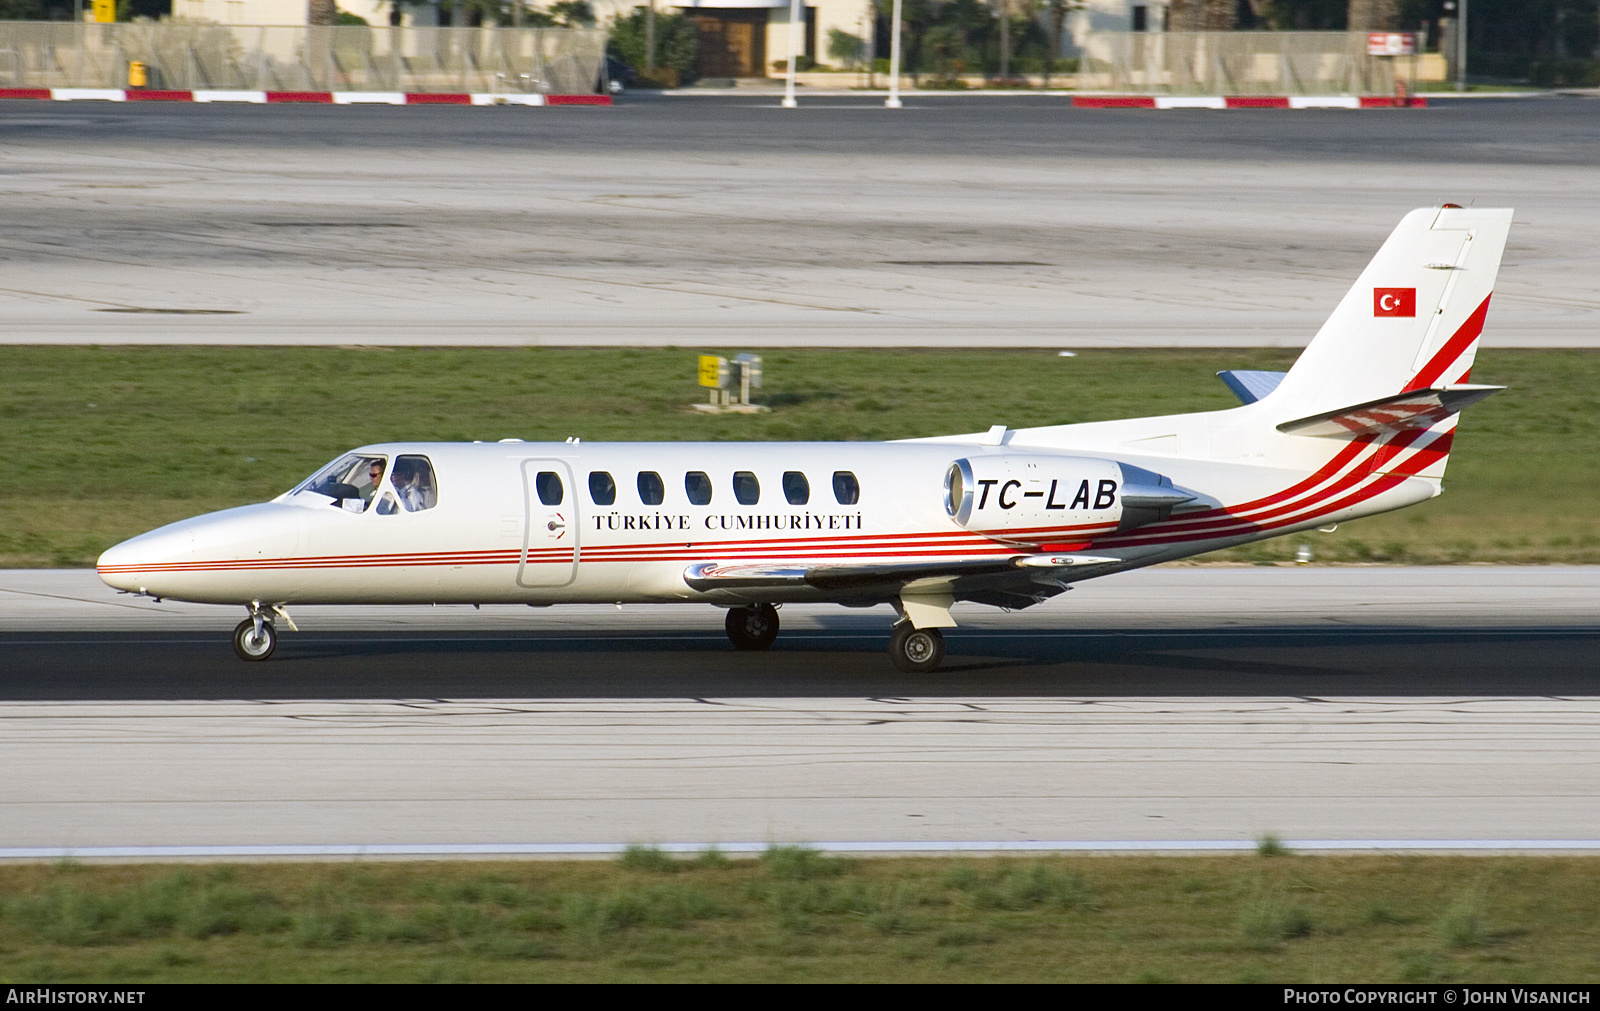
(1394,301)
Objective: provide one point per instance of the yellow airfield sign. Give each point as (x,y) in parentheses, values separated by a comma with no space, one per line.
(105,11)
(713,371)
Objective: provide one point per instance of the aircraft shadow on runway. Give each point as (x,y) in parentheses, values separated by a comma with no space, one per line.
(827,663)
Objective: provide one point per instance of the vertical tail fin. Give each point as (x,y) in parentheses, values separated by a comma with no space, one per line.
(1412,319)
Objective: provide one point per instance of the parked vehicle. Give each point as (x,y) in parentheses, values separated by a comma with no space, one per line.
(619,77)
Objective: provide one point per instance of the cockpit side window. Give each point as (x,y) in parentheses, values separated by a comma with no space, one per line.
(413,482)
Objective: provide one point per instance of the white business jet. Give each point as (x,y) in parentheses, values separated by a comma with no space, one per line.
(1360,425)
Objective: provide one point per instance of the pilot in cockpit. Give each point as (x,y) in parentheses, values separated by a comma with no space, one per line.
(375,472)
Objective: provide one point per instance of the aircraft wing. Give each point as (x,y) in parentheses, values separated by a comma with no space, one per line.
(864,578)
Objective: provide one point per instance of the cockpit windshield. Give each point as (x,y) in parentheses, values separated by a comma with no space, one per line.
(349,481)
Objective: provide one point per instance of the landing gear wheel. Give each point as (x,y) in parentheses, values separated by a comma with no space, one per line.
(753,627)
(916,650)
(252,645)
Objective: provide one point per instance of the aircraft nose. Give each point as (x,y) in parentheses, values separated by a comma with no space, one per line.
(130,565)
(203,559)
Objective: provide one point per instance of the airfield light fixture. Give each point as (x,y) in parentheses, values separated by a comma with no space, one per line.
(794,44)
(893,101)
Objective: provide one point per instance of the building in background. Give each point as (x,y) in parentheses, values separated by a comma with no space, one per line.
(738,38)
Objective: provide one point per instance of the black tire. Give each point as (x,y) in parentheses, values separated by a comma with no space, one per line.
(753,627)
(916,650)
(247,646)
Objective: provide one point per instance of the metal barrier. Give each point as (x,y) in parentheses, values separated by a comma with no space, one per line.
(1234,63)
(196,56)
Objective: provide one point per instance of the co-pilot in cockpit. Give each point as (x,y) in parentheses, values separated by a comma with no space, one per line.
(412,487)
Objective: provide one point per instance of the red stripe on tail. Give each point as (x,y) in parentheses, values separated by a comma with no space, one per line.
(1453,349)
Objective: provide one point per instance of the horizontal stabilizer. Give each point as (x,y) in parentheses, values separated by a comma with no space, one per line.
(1416,409)
(1251,386)
(777,575)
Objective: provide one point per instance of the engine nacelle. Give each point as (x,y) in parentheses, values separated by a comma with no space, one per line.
(1055,499)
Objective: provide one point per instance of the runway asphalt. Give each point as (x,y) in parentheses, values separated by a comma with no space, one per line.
(1203,631)
(701,221)
(1366,661)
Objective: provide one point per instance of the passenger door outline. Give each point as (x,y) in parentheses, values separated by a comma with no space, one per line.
(550,535)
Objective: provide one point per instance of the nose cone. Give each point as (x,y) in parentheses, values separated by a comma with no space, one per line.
(130,565)
(182,560)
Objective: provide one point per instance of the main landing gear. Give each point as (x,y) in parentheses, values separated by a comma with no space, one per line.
(916,650)
(752,627)
(911,649)
(254,638)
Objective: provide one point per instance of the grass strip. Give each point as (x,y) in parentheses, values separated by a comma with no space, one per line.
(104,443)
(799,915)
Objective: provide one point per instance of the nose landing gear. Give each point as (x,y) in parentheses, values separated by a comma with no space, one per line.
(254,638)
(752,627)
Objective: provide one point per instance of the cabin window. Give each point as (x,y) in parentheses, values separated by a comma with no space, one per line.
(846,489)
(697,486)
(746,488)
(651,488)
(796,488)
(548,485)
(602,489)
(413,483)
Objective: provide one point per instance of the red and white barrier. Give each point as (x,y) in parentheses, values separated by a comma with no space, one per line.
(1246,102)
(464,98)
(287,97)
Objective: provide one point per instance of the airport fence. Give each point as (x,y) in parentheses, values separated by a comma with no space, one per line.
(200,56)
(1237,63)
